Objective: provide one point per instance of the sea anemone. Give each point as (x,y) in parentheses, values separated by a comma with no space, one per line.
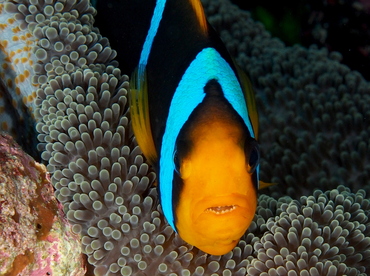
(326,233)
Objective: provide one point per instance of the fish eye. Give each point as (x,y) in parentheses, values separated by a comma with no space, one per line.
(176,161)
(252,154)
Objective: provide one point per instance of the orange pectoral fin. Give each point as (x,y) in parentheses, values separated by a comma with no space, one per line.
(139,109)
(263,185)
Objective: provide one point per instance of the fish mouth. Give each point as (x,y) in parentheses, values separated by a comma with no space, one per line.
(224,205)
(220,210)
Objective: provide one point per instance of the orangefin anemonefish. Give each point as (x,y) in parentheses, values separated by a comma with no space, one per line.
(195,119)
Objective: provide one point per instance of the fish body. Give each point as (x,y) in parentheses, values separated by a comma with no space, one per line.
(195,119)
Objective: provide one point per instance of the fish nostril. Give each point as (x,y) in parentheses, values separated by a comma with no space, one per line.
(221,209)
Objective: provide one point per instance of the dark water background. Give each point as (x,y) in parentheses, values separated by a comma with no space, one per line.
(341,26)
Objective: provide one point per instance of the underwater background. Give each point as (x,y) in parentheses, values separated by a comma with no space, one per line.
(337,25)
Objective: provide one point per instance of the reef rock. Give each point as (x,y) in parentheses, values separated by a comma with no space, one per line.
(35,237)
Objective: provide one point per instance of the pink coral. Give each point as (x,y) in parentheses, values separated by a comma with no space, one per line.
(35,238)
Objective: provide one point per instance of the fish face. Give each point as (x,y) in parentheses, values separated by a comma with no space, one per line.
(218,199)
(217,229)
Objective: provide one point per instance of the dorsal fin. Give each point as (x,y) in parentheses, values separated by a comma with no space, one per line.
(198,9)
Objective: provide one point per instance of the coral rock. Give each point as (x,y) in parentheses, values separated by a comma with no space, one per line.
(35,238)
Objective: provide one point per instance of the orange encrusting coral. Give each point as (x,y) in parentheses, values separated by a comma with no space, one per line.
(20,262)
(44,206)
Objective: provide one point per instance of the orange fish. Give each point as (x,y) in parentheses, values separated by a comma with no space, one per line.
(195,119)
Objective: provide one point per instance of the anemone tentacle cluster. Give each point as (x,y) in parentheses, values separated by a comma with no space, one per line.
(326,233)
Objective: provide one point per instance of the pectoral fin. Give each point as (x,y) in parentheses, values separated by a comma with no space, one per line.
(263,185)
(139,109)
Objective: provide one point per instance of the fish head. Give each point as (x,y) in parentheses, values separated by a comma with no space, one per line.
(218,198)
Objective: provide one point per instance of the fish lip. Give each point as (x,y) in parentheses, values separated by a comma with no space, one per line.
(221,209)
(229,203)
